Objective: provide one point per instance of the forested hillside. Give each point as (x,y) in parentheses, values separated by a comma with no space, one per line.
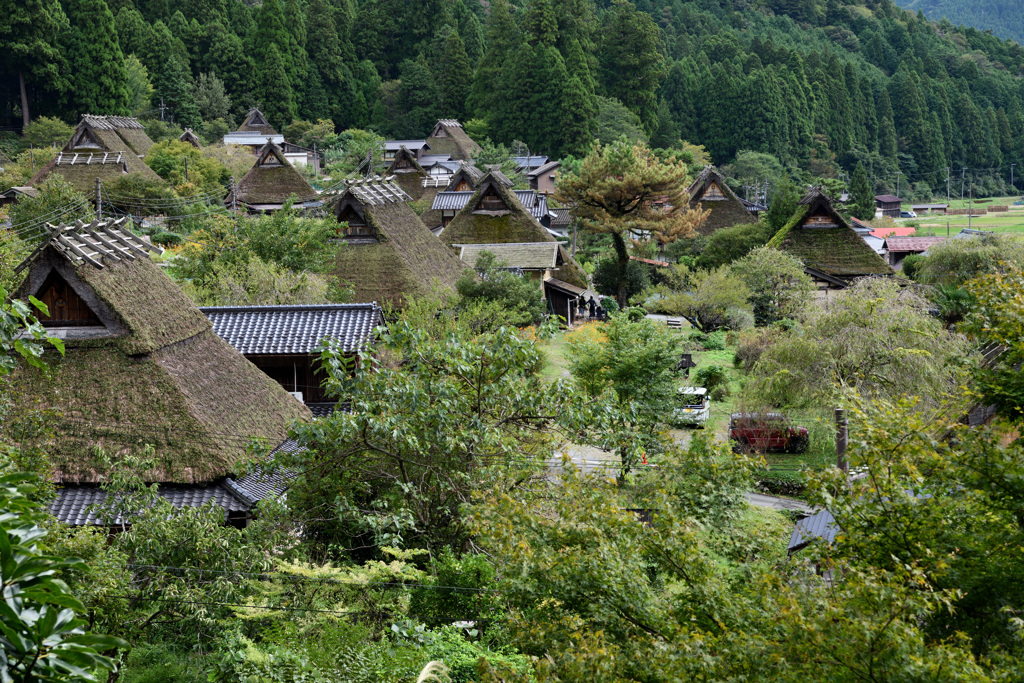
(1001,17)
(817,84)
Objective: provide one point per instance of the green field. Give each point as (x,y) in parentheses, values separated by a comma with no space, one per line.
(1011,221)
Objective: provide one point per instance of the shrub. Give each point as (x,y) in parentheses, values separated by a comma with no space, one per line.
(719,393)
(610,304)
(715,341)
(165,238)
(442,601)
(711,376)
(752,343)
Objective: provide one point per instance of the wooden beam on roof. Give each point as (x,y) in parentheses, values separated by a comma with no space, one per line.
(68,244)
(120,238)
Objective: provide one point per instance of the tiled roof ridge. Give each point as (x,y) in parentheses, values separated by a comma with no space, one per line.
(505,244)
(288,308)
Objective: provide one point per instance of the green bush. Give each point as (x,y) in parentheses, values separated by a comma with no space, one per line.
(160,664)
(444,602)
(610,304)
(165,238)
(711,376)
(719,393)
(715,341)
(461,655)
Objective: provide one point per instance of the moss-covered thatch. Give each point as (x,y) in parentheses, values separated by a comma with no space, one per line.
(726,209)
(256,122)
(408,173)
(837,251)
(81,161)
(401,259)
(146,370)
(272,180)
(449,138)
(191,138)
(196,402)
(477,225)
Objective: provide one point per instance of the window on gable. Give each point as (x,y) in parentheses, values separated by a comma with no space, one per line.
(64,307)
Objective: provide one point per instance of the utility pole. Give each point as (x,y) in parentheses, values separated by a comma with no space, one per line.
(947,184)
(897,183)
(1011,176)
(186,169)
(963,177)
(234,197)
(842,438)
(573,235)
(162,107)
(970,205)
(316,163)
(99,200)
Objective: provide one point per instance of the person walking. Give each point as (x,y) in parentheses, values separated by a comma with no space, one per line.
(592,306)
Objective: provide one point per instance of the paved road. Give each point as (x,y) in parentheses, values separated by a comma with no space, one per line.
(590,460)
(776,503)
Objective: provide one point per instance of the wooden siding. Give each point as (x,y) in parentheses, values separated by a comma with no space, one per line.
(64,306)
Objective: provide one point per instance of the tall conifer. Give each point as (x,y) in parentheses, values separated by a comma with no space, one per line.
(886,127)
(276,98)
(99,77)
(503,40)
(453,76)
(862,199)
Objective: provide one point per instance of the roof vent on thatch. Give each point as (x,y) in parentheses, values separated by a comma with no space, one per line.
(256,121)
(377,191)
(92,242)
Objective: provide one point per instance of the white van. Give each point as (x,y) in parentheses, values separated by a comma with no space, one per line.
(693,407)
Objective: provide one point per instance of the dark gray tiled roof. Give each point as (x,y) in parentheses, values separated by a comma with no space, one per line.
(450,201)
(323,409)
(819,525)
(80,505)
(83,505)
(431,159)
(530,162)
(256,330)
(560,217)
(546,168)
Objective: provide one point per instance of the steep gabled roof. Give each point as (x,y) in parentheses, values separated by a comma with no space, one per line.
(710,190)
(468,174)
(820,237)
(191,138)
(272,180)
(448,137)
(494,214)
(104,147)
(142,368)
(255,121)
(408,173)
(398,257)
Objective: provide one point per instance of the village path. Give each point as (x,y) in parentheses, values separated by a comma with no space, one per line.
(590,460)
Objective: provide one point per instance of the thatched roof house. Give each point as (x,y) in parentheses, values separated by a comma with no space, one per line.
(711,192)
(389,254)
(494,213)
(256,122)
(408,173)
(449,138)
(142,366)
(104,147)
(832,251)
(191,138)
(271,182)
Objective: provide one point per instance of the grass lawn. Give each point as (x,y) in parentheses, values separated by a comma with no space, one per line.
(555,351)
(1011,221)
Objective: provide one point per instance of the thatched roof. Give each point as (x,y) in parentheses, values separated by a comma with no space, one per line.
(494,214)
(256,122)
(527,256)
(408,173)
(710,190)
(394,256)
(191,138)
(272,180)
(819,236)
(142,365)
(449,138)
(103,147)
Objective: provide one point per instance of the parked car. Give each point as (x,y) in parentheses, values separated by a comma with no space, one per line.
(693,407)
(908,214)
(766,432)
